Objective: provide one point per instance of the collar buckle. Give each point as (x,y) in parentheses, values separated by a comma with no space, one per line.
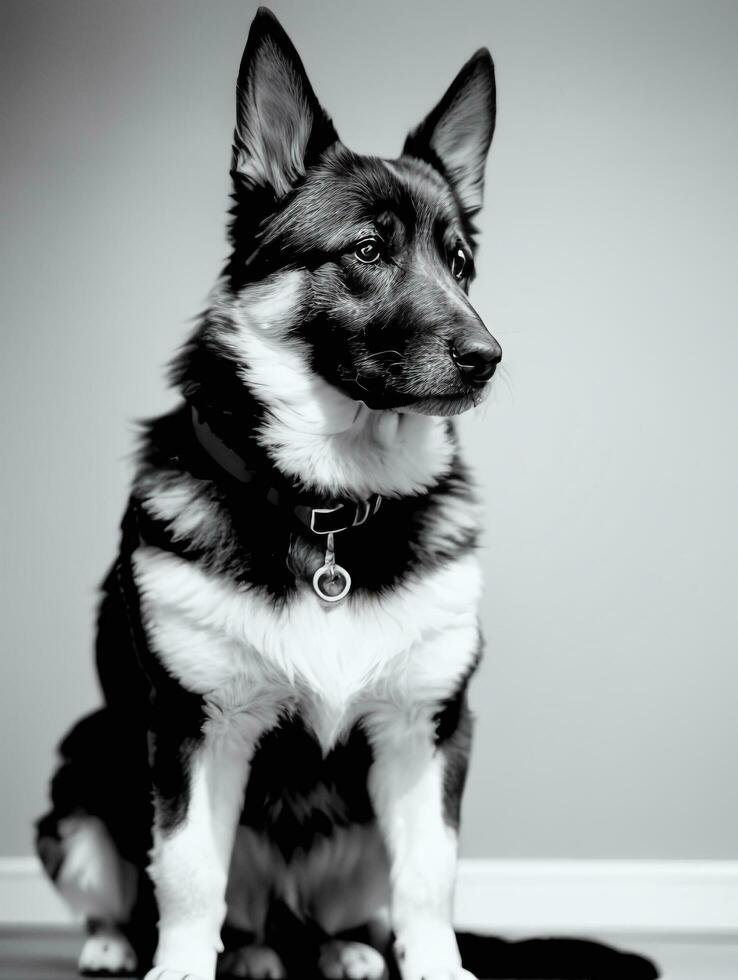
(315,511)
(363,509)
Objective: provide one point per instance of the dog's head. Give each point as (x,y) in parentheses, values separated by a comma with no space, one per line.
(362,265)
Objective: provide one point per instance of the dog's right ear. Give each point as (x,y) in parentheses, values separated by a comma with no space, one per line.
(280,125)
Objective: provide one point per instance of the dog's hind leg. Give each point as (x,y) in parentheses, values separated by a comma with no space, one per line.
(93,841)
(349,903)
(80,857)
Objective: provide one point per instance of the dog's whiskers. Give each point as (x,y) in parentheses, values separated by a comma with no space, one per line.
(381,353)
(503,373)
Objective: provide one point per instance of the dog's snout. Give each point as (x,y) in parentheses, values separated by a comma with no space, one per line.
(476,357)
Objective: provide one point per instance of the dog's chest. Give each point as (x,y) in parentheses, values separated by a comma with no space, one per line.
(235,646)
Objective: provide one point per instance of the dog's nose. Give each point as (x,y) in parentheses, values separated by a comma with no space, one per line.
(476,358)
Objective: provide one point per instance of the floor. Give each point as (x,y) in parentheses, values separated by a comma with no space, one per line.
(51,955)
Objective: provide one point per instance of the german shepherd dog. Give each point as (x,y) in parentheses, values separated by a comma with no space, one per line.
(286,637)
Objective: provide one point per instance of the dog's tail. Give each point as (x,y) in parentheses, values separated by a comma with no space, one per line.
(575,959)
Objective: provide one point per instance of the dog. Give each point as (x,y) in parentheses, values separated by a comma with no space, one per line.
(287,635)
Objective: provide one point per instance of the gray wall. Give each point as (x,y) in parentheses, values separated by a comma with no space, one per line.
(607,704)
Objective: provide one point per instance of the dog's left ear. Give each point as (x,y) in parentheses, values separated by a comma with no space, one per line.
(455,137)
(280,125)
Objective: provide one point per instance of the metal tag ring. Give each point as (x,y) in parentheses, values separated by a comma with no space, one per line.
(332,568)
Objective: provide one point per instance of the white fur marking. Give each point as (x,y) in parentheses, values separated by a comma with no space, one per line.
(93,878)
(178,502)
(164,973)
(411,645)
(314,432)
(406,785)
(107,951)
(189,863)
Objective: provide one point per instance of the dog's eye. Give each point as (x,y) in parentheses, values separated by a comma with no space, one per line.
(368,250)
(459,264)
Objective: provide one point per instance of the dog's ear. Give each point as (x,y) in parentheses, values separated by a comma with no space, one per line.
(455,136)
(280,125)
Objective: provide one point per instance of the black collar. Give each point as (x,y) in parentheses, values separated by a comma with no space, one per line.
(337,516)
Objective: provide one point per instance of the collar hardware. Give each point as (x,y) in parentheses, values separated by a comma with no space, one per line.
(331,582)
(333,520)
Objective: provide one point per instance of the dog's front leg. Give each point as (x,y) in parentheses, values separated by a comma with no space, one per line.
(407,789)
(200,767)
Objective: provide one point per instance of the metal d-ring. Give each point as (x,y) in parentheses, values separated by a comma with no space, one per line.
(330,568)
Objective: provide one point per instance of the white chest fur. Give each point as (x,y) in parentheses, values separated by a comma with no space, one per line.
(239,649)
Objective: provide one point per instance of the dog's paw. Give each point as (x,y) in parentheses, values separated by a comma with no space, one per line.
(165,973)
(341,960)
(254,962)
(436,973)
(447,973)
(427,950)
(107,953)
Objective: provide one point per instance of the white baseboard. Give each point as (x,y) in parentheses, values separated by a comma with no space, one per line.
(591,897)
(26,895)
(501,896)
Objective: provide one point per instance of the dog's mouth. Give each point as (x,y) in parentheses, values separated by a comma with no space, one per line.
(447,405)
(380,398)
(437,386)
(420,397)
(430,378)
